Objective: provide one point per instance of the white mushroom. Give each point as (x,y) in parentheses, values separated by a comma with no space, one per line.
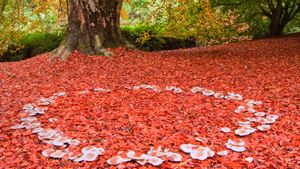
(187,148)
(18,126)
(196,89)
(263,127)
(260,114)
(58,154)
(131,154)
(60,141)
(223,153)
(208,92)
(201,153)
(225,129)
(155,161)
(219,95)
(117,160)
(47,152)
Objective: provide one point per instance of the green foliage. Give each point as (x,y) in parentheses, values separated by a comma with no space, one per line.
(196,18)
(294,25)
(18,18)
(251,12)
(150,38)
(33,44)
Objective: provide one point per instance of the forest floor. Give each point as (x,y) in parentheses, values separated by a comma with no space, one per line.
(123,119)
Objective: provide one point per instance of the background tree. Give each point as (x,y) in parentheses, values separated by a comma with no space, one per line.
(278,12)
(92,26)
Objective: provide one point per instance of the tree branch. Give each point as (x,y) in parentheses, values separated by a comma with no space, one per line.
(295,12)
(265,12)
(271,5)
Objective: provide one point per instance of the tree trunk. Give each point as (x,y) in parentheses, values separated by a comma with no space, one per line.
(275,23)
(93,26)
(275,28)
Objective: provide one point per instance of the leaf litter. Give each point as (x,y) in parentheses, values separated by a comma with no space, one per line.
(180,95)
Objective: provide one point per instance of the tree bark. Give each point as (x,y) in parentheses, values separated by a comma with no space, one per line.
(280,14)
(277,13)
(93,26)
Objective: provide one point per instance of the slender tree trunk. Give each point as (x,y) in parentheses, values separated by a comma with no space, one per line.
(93,26)
(276,18)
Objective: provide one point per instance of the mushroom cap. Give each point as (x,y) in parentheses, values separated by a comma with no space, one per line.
(175,157)
(187,148)
(251,110)
(156,152)
(200,154)
(251,119)
(47,152)
(272,117)
(29,119)
(58,154)
(266,121)
(155,161)
(211,153)
(79,158)
(222,153)
(18,126)
(240,142)
(260,114)
(236,97)
(208,92)
(196,89)
(117,160)
(60,141)
(73,142)
(249,159)
(72,155)
(97,150)
(99,89)
(238,148)
(28,106)
(242,132)
(239,109)
(219,95)
(262,120)
(59,94)
(37,130)
(141,162)
(263,127)
(243,123)
(201,139)
(175,90)
(225,129)
(33,125)
(131,154)
(90,156)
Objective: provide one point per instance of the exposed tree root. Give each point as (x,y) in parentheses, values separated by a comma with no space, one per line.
(8,73)
(61,52)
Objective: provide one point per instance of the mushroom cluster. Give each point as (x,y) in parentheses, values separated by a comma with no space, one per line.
(54,137)
(261,119)
(197,152)
(237,146)
(174,89)
(154,157)
(60,143)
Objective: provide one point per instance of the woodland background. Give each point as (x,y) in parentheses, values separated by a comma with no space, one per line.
(31,27)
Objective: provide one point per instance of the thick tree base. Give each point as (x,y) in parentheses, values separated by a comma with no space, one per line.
(64,50)
(93,26)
